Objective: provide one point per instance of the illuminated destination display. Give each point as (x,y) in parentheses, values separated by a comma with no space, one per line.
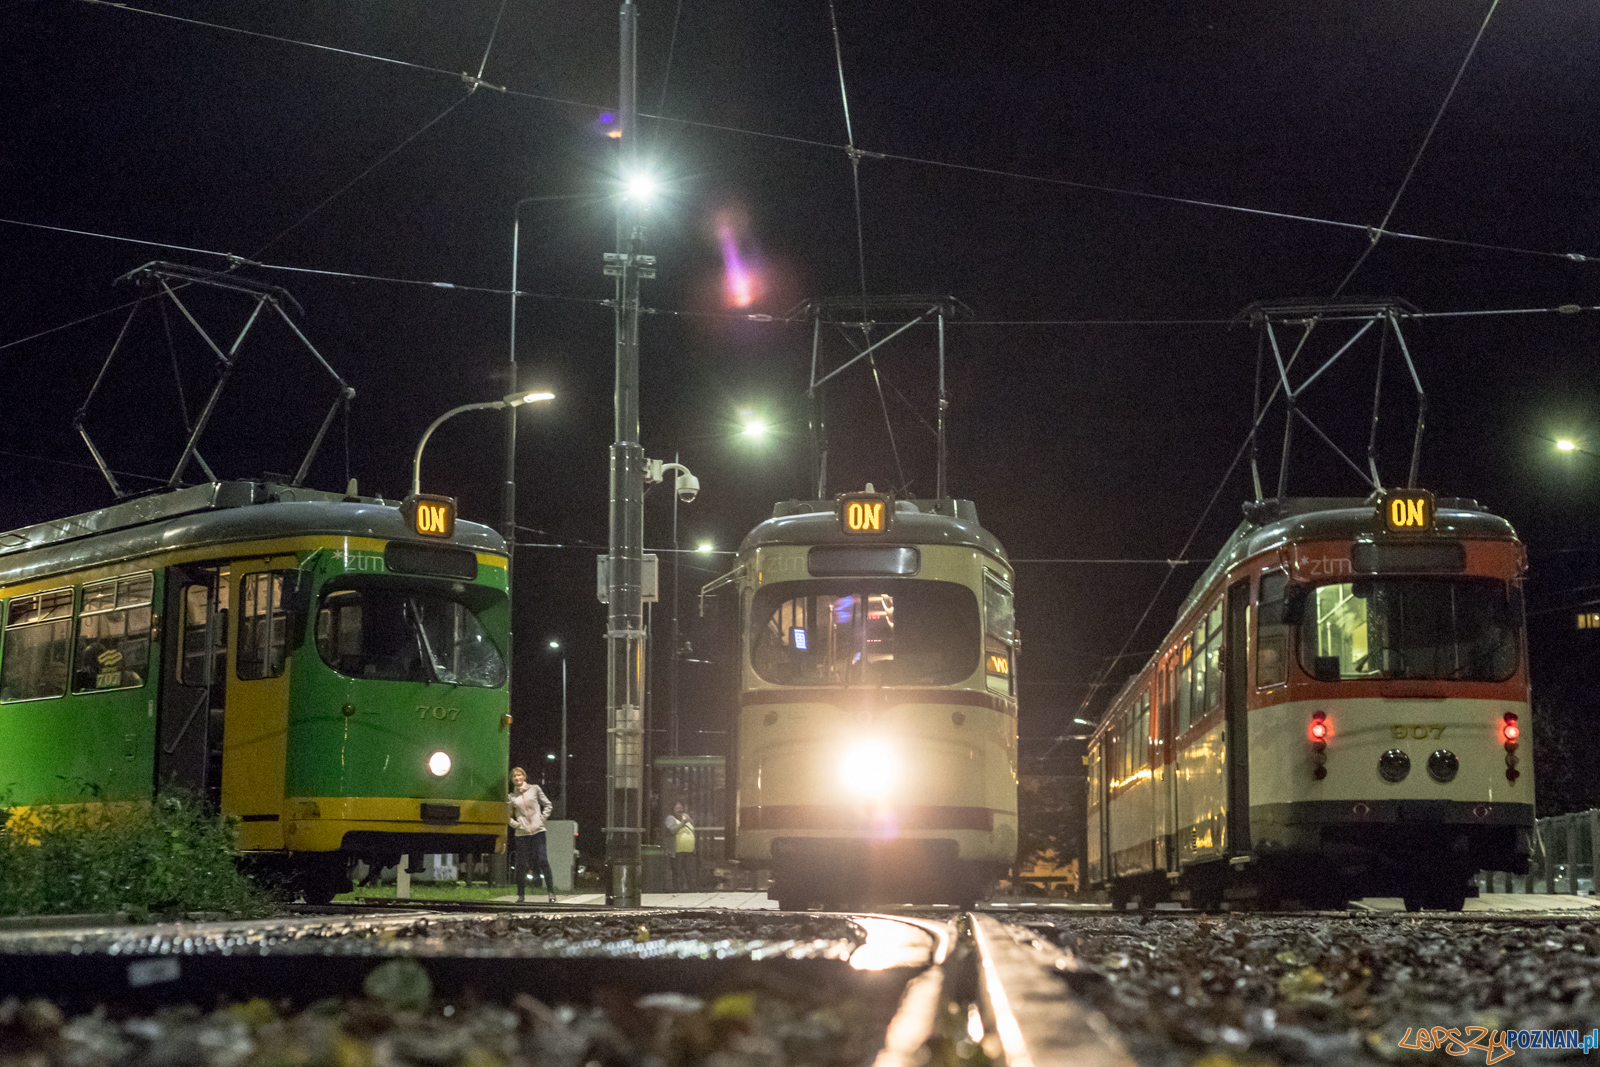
(431,516)
(1408,511)
(864,512)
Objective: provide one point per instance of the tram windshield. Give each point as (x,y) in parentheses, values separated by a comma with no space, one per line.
(398,635)
(874,633)
(1410,628)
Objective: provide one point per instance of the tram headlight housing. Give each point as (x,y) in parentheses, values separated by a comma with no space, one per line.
(1511,733)
(869,769)
(439,764)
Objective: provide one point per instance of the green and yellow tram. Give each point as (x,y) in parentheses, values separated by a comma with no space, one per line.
(330,671)
(877,731)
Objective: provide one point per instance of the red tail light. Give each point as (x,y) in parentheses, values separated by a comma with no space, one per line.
(1510,730)
(1319,727)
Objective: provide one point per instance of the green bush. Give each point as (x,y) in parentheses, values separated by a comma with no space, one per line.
(161,859)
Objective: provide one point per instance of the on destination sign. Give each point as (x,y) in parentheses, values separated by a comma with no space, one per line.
(864,514)
(1408,511)
(432,516)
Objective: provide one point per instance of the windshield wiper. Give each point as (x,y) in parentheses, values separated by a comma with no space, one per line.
(436,673)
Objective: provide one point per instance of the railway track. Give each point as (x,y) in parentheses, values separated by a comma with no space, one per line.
(553,986)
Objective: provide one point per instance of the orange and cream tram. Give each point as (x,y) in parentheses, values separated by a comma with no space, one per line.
(1341,711)
(877,731)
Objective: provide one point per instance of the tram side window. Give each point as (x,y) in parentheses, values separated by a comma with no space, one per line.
(1141,733)
(999,620)
(263,626)
(1186,687)
(114,634)
(38,646)
(1272,634)
(192,663)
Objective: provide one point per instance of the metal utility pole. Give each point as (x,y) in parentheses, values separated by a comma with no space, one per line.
(625,629)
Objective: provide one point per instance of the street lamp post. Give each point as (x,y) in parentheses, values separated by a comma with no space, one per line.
(515,400)
(557,646)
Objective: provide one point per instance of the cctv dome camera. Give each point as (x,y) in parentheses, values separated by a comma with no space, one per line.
(688,487)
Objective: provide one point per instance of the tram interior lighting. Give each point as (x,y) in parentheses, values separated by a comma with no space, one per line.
(439,764)
(869,769)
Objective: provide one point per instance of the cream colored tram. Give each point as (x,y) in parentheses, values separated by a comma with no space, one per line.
(876,751)
(1341,711)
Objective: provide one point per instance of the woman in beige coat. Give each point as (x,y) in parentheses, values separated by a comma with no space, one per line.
(529,809)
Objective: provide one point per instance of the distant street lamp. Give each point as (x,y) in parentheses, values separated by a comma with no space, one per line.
(556,646)
(1566,444)
(515,400)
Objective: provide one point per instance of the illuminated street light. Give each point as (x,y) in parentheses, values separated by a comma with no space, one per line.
(754,428)
(641,187)
(706,549)
(1566,444)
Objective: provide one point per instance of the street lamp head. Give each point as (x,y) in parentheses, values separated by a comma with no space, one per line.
(1566,444)
(705,548)
(754,428)
(640,187)
(516,400)
(555,644)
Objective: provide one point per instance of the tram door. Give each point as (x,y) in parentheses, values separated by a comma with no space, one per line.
(190,717)
(1235,681)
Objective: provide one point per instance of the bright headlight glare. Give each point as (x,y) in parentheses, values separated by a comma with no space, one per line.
(439,764)
(869,769)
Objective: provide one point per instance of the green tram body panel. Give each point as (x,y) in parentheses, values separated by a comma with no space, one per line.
(308,753)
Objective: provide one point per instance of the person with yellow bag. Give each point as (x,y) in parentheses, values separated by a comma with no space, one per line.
(680,846)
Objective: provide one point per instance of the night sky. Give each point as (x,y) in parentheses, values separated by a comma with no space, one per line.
(1044,164)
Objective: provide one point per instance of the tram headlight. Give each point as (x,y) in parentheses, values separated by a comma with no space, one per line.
(439,764)
(869,769)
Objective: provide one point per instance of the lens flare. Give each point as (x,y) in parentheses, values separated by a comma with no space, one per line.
(742,281)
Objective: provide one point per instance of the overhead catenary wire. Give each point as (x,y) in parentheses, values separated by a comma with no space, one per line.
(861,249)
(1377,231)
(756,317)
(1000,172)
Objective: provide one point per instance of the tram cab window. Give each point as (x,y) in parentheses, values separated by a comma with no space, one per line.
(999,624)
(113,650)
(1272,631)
(38,646)
(1410,628)
(400,635)
(865,632)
